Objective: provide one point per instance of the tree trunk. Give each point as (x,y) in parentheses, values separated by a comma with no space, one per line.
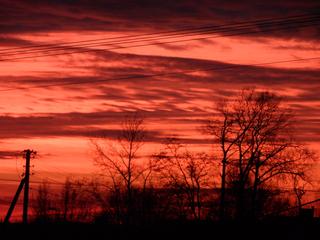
(255,192)
(240,199)
(223,190)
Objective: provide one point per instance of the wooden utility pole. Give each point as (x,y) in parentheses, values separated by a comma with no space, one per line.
(24,183)
(26,186)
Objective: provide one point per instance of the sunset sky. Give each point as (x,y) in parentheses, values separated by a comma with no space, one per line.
(59,121)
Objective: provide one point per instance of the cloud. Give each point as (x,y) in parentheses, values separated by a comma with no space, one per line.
(163,82)
(119,83)
(120,76)
(303,47)
(141,16)
(93,124)
(9,154)
(12,41)
(175,47)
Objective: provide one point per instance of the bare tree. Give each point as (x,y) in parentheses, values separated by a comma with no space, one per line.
(69,195)
(224,135)
(186,172)
(299,189)
(42,204)
(261,144)
(120,160)
(76,201)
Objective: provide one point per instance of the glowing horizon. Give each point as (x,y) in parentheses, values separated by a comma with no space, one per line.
(59,121)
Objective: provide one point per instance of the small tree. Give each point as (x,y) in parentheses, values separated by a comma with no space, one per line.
(299,189)
(75,201)
(42,204)
(186,173)
(120,160)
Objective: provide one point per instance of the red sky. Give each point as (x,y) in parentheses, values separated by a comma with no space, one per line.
(59,121)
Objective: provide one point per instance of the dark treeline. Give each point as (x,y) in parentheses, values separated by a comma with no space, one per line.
(254,155)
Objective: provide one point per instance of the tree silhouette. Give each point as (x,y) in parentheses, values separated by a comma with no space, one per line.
(255,133)
(43,203)
(186,173)
(120,160)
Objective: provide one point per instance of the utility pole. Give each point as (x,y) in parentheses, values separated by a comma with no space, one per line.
(26,185)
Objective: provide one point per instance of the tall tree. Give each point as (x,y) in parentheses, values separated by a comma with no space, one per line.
(261,145)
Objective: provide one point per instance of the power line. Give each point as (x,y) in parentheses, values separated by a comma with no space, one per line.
(144,44)
(34,181)
(174,34)
(188,28)
(9,180)
(232,32)
(54,182)
(49,179)
(50,193)
(15,180)
(57,172)
(161,74)
(295,207)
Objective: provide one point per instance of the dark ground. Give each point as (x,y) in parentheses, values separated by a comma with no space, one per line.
(272,230)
